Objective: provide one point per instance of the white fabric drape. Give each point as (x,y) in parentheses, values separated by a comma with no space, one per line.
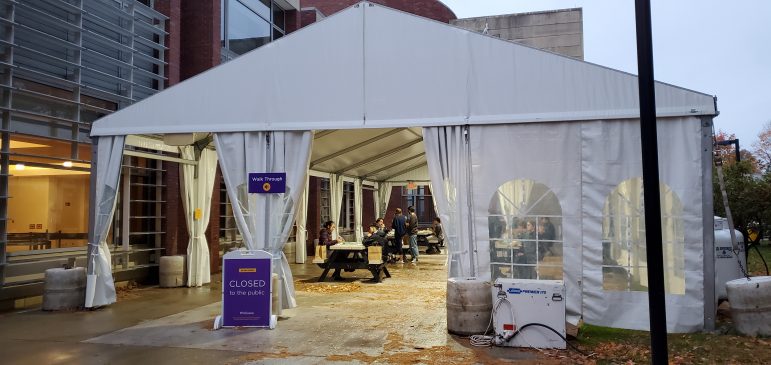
(449,166)
(383,196)
(301,220)
(357,204)
(197,186)
(100,288)
(265,220)
(335,200)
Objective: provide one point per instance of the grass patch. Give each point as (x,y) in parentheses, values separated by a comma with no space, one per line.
(619,346)
(754,263)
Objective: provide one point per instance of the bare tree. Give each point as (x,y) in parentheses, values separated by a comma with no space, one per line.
(762,148)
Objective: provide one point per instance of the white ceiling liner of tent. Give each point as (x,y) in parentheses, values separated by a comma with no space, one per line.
(395,97)
(382,68)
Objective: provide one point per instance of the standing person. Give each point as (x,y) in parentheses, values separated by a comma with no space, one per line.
(526,255)
(547,234)
(325,238)
(399,226)
(412,227)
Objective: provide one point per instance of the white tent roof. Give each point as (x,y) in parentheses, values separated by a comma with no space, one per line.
(374,67)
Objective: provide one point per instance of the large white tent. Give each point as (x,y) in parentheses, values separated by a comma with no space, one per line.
(499,129)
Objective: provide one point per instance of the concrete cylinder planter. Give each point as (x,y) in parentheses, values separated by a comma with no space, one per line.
(172,271)
(276,295)
(64,289)
(469,305)
(751,305)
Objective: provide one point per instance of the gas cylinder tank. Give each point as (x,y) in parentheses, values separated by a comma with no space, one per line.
(726,264)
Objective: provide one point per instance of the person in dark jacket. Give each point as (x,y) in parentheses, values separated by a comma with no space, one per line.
(374,237)
(325,238)
(526,255)
(412,228)
(439,234)
(399,226)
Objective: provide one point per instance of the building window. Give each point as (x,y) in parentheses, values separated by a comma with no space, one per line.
(47,194)
(140,216)
(525,230)
(278,17)
(246,30)
(230,237)
(347,215)
(324,200)
(249,24)
(420,198)
(624,260)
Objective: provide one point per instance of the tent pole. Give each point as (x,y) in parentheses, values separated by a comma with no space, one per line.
(651,195)
(469,204)
(708,223)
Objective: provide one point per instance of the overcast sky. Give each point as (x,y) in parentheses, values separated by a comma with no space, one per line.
(716,47)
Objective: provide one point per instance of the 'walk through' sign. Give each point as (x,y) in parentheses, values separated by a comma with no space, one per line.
(267,182)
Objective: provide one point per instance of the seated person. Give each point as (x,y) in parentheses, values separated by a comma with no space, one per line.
(374,237)
(325,238)
(438,230)
(377,237)
(380,224)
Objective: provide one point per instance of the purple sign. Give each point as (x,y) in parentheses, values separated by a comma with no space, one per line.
(267,182)
(246,291)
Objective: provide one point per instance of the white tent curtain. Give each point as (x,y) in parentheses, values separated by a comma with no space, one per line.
(301,220)
(100,288)
(512,165)
(266,219)
(447,152)
(383,196)
(197,186)
(335,199)
(357,204)
(613,166)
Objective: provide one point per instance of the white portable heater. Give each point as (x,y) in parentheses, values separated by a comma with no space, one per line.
(531,307)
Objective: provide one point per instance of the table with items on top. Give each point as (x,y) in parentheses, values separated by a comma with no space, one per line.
(350,256)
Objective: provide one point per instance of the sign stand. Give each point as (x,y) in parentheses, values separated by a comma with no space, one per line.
(247,290)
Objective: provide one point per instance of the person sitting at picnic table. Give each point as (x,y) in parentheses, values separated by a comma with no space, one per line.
(436,226)
(374,237)
(325,238)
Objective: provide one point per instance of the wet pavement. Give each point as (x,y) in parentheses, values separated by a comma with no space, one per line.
(399,321)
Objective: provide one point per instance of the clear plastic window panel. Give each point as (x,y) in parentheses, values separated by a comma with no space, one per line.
(525,231)
(624,254)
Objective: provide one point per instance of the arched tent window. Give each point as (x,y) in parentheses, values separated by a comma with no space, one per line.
(525,229)
(624,262)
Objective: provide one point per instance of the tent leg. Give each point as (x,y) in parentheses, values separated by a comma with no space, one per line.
(708,221)
(93,248)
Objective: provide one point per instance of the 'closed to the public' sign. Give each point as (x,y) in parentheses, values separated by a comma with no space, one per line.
(246,289)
